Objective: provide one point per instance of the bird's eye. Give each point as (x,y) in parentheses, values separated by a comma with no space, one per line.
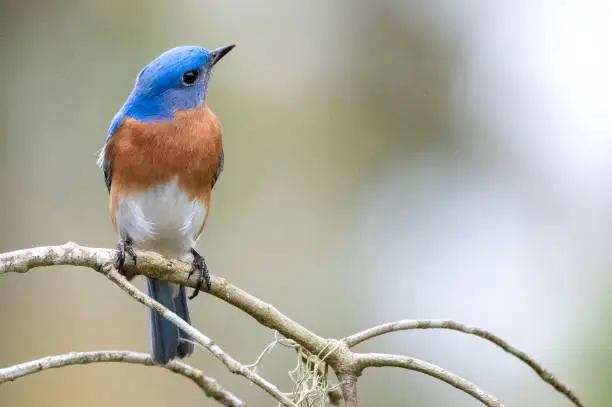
(190,77)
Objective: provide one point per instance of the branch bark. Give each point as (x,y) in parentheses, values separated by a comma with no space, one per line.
(232,364)
(348,385)
(347,365)
(209,385)
(386,360)
(154,265)
(409,324)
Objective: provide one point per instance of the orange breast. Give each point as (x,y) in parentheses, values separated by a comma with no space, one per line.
(143,155)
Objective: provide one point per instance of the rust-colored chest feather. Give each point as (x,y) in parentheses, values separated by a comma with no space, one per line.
(144,155)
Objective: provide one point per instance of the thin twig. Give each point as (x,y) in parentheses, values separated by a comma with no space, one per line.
(408,324)
(366,360)
(232,364)
(209,385)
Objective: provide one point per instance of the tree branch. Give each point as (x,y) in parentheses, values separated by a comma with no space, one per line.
(408,324)
(348,385)
(154,265)
(209,385)
(366,360)
(347,365)
(232,364)
(102,260)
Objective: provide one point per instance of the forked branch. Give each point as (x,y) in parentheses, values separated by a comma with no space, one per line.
(347,364)
(408,324)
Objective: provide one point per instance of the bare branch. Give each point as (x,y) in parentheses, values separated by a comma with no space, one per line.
(346,364)
(366,360)
(232,364)
(408,324)
(207,384)
(154,265)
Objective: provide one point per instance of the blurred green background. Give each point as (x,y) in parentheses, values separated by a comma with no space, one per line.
(384,160)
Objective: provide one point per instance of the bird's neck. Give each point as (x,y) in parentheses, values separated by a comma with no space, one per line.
(154,108)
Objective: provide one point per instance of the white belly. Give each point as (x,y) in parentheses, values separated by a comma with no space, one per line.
(162,219)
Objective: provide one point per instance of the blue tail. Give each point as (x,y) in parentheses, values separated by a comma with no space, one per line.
(166,338)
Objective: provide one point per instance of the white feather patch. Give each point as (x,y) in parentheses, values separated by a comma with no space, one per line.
(101,157)
(162,219)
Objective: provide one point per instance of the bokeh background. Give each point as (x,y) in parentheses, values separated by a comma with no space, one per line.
(384,160)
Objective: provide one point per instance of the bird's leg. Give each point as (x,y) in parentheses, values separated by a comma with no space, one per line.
(125,246)
(199,266)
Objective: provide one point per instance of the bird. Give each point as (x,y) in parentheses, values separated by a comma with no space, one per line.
(161,159)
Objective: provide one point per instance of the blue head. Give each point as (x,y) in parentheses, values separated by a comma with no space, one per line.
(175,80)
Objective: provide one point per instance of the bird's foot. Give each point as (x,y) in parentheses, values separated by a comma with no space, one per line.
(125,246)
(199,266)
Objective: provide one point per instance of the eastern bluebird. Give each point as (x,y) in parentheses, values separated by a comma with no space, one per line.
(162,157)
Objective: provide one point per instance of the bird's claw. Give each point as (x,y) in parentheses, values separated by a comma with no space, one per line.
(199,265)
(124,246)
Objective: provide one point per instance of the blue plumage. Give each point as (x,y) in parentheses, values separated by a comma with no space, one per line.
(159,90)
(166,343)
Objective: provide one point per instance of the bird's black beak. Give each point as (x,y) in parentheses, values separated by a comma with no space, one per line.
(218,53)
